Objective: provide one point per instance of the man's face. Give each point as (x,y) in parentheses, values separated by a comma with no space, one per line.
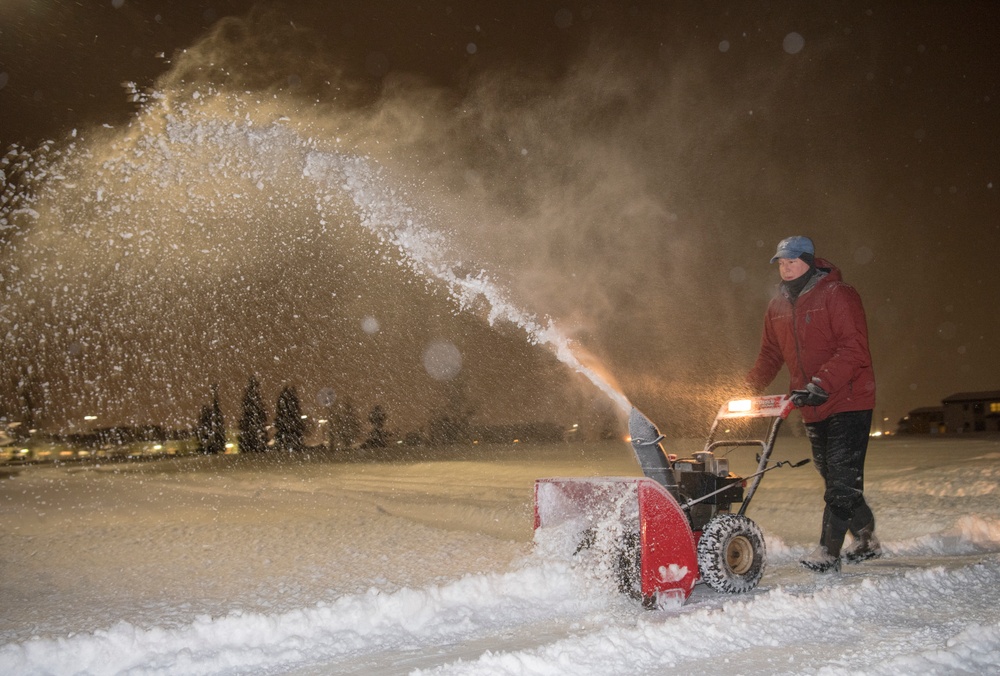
(792,268)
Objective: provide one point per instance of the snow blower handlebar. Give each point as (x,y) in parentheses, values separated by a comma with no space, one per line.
(654,463)
(775,407)
(772,406)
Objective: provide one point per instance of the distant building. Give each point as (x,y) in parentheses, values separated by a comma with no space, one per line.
(972,412)
(926,420)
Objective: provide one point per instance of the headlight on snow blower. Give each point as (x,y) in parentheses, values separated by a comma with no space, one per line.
(740,405)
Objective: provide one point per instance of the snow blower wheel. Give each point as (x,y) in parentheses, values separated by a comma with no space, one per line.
(628,570)
(731,554)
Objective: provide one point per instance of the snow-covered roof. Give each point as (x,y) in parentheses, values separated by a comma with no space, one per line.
(923,410)
(972,396)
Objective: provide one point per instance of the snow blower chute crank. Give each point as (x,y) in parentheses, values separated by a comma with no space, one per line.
(674,527)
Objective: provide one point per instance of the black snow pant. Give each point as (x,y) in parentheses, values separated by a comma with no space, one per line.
(839,445)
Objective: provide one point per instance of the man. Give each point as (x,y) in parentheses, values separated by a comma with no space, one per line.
(815,325)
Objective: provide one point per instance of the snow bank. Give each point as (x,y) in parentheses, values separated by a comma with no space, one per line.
(471,607)
(843,614)
(971,534)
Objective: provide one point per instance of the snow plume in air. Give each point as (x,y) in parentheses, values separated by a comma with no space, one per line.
(572,187)
(395,222)
(577,204)
(624,187)
(201,228)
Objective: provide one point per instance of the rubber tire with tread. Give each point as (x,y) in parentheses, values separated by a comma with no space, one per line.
(628,566)
(731,554)
(627,561)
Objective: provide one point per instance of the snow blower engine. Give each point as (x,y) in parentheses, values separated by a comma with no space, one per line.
(665,532)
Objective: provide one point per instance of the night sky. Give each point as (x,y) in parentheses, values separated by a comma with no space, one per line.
(623,168)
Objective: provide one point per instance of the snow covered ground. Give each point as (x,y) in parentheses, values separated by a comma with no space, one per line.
(234,565)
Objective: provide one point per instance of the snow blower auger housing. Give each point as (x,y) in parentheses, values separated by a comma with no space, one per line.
(665,532)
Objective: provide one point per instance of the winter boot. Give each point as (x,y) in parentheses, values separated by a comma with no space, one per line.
(865,546)
(822,561)
(826,557)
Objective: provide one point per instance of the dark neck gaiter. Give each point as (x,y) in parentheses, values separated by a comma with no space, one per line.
(794,287)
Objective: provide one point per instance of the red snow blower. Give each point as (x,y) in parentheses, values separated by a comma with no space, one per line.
(663,533)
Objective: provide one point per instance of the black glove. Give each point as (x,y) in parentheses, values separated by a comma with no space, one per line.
(812,395)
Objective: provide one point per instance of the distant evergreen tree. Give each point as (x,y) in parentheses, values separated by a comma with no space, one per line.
(606,423)
(609,427)
(453,424)
(378,437)
(345,426)
(203,432)
(29,396)
(212,426)
(253,422)
(289,428)
(218,423)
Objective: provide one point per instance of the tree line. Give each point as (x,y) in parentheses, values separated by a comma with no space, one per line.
(287,432)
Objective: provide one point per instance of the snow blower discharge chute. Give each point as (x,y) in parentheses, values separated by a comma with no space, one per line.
(674,527)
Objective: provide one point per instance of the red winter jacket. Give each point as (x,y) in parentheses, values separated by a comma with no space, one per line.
(824,335)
